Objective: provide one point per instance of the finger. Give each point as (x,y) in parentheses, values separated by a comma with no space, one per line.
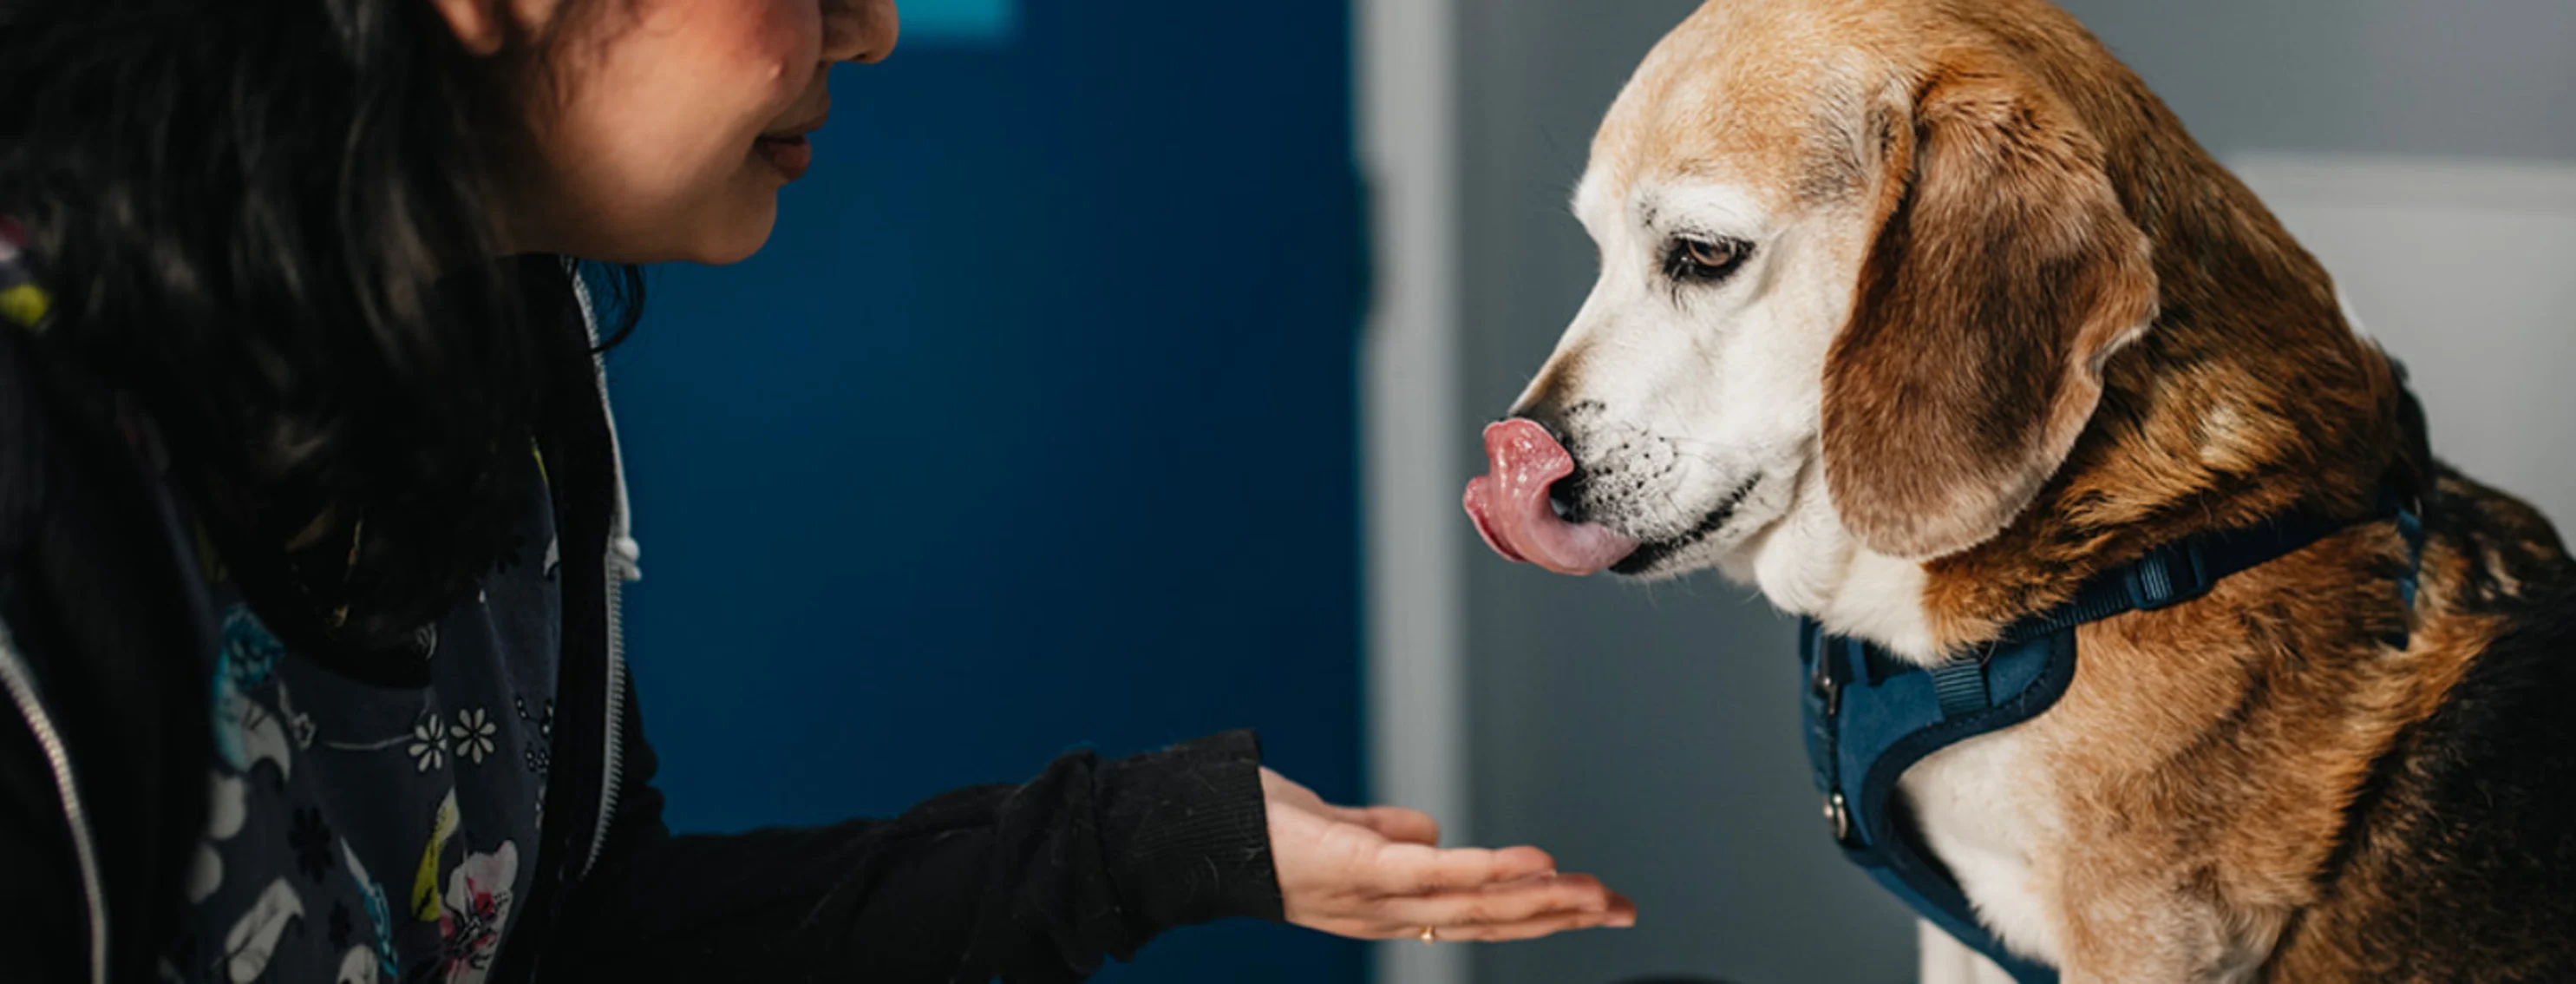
(1620,914)
(1508,903)
(1396,823)
(1619,917)
(1416,869)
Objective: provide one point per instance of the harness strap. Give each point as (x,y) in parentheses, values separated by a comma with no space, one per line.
(1871,715)
(2183,570)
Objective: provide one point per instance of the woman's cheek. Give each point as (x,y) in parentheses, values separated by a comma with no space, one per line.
(782,38)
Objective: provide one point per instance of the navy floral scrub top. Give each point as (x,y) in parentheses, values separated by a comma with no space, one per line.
(366,833)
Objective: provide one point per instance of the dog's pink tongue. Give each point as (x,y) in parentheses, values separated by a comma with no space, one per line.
(1510,507)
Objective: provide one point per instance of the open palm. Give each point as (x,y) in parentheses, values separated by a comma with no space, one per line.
(1378,873)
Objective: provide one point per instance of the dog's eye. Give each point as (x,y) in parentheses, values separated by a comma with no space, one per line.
(1706,260)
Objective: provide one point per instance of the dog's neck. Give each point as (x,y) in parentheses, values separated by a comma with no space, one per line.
(1808,563)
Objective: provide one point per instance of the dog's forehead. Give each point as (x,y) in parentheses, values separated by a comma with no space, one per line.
(1767,95)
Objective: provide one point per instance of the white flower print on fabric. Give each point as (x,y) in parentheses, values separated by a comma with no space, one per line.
(539,755)
(545,724)
(477,909)
(205,872)
(428,746)
(473,733)
(358,966)
(227,808)
(254,938)
(261,736)
(299,725)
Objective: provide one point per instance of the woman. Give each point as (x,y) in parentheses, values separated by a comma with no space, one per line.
(311,533)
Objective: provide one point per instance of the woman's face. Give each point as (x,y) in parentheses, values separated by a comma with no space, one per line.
(663,129)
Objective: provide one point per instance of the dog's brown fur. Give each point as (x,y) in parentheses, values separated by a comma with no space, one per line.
(2247,773)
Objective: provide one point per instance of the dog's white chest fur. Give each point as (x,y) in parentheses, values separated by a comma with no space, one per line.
(1981,805)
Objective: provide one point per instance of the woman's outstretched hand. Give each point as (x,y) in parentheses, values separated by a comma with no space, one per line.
(1377,873)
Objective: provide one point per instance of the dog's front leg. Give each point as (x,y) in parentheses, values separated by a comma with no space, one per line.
(2126,931)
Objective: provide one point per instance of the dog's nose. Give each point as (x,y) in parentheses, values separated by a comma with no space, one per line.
(1565,493)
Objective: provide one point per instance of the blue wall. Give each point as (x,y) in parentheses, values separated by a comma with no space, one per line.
(951,22)
(1032,428)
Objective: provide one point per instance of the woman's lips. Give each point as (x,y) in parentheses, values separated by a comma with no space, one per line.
(787,149)
(790,155)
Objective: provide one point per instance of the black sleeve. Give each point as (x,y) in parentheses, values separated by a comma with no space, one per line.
(1031,884)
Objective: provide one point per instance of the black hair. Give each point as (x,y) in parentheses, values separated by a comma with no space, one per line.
(271,222)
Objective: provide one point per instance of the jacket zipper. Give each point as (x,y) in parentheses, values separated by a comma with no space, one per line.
(619,566)
(614,759)
(21,682)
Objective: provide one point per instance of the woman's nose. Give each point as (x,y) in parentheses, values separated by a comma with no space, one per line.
(859,30)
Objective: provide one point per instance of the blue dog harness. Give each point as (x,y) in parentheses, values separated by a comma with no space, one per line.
(1870,715)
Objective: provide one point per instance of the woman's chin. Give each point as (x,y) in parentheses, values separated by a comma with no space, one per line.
(737,235)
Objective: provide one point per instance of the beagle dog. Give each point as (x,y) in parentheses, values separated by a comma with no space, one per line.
(1921,316)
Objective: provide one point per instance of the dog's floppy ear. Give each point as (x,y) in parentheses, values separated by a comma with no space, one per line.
(2003,275)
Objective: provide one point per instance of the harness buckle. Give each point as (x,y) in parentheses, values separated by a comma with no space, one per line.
(2168,575)
(1823,681)
(1838,813)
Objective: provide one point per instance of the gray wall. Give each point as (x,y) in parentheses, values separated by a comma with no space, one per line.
(1650,733)
(2455,78)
